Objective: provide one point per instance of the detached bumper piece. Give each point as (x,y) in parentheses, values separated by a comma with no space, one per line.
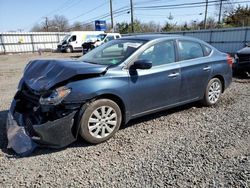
(29,126)
(18,140)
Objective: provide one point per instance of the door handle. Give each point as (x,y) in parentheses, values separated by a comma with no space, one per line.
(174,75)
(207,68)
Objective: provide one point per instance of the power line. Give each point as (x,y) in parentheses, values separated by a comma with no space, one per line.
(70,6)
(181,6)
(175,5)
(65,4)
(91,10)
(162,15)
(122,10)
(151,1)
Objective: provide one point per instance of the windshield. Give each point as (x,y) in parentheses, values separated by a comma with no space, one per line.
(101,37)
(113,52)
(66,38)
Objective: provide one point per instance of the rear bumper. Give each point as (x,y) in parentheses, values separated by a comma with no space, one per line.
(23,140)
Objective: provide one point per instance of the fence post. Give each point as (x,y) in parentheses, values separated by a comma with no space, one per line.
(32,43)
(58,37)
(2,42)
(210,37)
(245,37)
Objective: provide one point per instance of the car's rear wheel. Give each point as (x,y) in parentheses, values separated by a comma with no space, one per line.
(213,92)
(100,121)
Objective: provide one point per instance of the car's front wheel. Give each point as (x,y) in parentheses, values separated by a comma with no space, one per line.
(213,92)
(69,49)
(100,121)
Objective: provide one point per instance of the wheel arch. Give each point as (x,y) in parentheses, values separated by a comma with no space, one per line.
(117,100)
(222,79)
(71,48)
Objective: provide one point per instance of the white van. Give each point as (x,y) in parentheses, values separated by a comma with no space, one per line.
(73,41)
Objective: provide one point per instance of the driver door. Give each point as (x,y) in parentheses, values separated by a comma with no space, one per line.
(158,87)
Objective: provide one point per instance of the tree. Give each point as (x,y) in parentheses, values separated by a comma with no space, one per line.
(239,17)
(77,26)
(59,23)
(150,27)
(123,27)
(37,28)
(169,27)
(211,23)
(227,7)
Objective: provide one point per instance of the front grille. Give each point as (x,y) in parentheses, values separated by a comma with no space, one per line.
(30,95)
(28,125)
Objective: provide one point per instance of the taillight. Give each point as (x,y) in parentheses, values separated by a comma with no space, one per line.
(230,60)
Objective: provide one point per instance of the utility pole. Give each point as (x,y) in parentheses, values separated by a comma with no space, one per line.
(111,14)
(46,24)
(132,15)
(205,19)
(220,12)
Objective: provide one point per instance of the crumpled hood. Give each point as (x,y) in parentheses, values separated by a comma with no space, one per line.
(41,75)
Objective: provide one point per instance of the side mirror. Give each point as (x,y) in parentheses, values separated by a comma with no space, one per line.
(142,64)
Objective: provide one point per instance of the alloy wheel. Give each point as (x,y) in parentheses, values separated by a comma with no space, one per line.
(214,92)
(102,122)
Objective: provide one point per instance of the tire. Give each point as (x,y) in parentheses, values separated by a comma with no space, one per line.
(96,125)
(69,49)
(213,92)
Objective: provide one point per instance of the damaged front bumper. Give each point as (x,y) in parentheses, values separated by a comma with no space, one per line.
(26,131)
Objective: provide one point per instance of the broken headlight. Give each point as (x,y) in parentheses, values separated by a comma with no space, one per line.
(55,97)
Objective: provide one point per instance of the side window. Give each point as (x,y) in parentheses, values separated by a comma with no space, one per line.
(117,36)
(160,53)
(189,50)
(73,38)
(109,38)
(207,50)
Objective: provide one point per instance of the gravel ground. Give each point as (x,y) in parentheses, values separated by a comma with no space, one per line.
(189,146)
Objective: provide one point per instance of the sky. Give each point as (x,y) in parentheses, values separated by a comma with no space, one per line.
(23,14)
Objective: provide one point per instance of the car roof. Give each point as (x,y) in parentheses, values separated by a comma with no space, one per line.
(149,37)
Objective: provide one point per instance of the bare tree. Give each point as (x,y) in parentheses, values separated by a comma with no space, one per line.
(36,28)
(77,26)
(89,27)
(59,23)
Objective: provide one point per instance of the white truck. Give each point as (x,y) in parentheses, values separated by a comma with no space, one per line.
(73,41)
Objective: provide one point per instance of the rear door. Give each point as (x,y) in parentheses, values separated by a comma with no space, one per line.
(159,86)
(195,69)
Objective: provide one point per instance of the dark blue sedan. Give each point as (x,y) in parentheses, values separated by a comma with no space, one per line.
(57,100)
